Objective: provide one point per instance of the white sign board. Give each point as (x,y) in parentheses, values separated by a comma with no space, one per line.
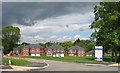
(98,53)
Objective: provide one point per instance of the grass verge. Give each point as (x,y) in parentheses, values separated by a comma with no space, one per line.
(16,62)
(72,59)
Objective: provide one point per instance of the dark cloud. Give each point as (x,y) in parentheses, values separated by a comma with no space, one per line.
(26,13)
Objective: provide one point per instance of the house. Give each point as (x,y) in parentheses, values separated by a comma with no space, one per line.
(76,51)
(33,50)
(90,53)
(55,51)
(16,51)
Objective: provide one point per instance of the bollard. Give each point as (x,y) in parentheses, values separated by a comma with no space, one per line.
(44,61)
(9,62)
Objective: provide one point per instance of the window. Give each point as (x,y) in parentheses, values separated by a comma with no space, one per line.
(54,50)
(49,54)
(37,49)
(57,50)
(62,50)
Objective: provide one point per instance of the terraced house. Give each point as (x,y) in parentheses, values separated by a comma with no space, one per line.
(76,51)
(55,51)
(33,50)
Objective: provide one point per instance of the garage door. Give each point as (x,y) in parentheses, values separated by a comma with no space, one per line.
(53,55)
(32,54)
(57,54)
(37,54)
(62,55)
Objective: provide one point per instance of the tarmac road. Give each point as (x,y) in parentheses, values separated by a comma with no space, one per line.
(6,67)
(68,66)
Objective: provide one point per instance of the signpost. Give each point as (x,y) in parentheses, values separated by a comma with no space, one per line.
(98,53)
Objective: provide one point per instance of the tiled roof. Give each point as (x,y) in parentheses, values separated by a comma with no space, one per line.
(15,49)
(76,47)
(56,47)
(33,46)
(91,52)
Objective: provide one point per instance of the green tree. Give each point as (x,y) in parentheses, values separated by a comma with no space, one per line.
(10,37)
(41,44)
(25,43)
(20,47)
(66,44)
(107,26)
(47,44)
(90,46)
(86,41)
(78,42)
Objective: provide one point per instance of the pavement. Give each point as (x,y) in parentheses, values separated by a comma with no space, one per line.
(115,65)
(34,66)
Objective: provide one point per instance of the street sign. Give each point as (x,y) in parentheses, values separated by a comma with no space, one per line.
(98,53)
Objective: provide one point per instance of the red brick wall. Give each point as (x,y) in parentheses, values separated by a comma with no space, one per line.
(33,51)
(41,51)
(81,53)
(26,52)
(76,52)
(55,50)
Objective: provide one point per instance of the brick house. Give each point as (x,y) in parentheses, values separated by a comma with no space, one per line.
(33,50)
(55,51)
(76,51)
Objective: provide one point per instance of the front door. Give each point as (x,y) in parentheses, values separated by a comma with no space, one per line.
(29,51)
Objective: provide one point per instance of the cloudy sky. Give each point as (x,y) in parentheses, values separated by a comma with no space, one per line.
(49,21)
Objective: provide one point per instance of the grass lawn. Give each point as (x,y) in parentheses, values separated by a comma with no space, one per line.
(17,62)
(70,59)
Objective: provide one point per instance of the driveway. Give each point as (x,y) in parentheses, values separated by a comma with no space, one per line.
(70,66)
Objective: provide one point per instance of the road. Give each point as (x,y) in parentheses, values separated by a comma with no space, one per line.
(68,66)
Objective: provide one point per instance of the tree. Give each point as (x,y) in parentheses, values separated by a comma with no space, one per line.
(90,46)
(25,43)
(79,43)
(107,26)
(41,44)
(66,44)
(20,47)
(47,44)
(86,41)
(10,37)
